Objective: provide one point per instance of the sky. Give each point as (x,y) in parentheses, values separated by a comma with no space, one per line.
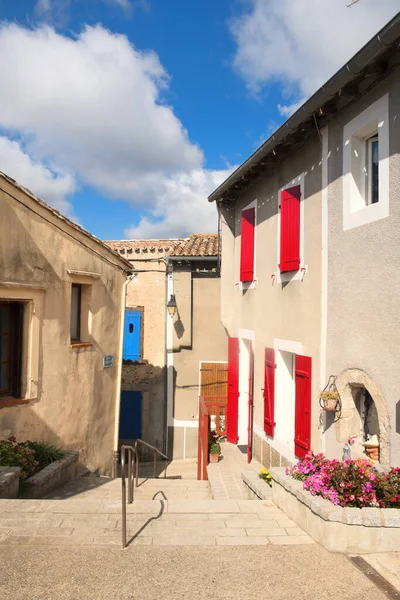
(126,114)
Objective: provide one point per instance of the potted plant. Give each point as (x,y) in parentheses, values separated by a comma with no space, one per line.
(215,451)
(329,400)
(372,447)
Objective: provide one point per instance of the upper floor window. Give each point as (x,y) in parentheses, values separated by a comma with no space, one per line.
(372,170)
(290,229)
(133,335)
(76,307)
(247,244)
(366,166)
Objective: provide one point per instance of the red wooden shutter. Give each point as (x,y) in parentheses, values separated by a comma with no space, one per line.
(233,391)
(290,229)
(302,420)
(269,391)
(247,245)
(250,416)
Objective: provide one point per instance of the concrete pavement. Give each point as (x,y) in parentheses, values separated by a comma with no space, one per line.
(156,573)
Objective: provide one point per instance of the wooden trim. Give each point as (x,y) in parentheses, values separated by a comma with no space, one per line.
(8,401)
(81,345)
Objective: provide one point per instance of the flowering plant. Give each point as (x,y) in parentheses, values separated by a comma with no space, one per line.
(265,475)
(350,483)
(329,396)
(13,454)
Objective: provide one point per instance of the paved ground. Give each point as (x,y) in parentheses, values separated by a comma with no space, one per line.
(273,573)
(225,477)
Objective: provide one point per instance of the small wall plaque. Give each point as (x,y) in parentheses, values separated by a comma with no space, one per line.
(108,361)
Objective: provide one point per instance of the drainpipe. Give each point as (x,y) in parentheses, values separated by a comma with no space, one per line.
(119,373)
(165,440)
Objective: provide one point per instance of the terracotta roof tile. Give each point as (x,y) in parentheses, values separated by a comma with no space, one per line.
(197,244)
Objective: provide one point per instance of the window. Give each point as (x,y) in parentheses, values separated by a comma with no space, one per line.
(290,229)
(11,317)
(372,170)
(133,335)
(247,245)
(366,166)
(76,303)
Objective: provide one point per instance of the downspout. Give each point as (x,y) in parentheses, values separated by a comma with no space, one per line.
(117,410)
(165,440)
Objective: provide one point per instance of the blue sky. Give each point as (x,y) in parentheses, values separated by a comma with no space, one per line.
(126,114)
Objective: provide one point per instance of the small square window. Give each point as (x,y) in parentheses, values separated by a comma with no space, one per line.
(76,303)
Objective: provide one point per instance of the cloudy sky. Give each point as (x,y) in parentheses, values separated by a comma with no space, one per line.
(126,114)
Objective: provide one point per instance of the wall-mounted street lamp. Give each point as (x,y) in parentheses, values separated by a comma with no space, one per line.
(171,305)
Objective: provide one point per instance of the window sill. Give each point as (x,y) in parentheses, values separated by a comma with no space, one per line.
(81,345)
(7,401)
(248,285)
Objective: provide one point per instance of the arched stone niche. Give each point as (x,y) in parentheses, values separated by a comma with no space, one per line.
(349,383)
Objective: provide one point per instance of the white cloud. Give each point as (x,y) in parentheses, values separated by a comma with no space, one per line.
(93,105)
(44,181)
(182,205)
(54,9)
(301,43)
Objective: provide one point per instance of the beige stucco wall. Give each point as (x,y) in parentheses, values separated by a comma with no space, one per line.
(147,290)
(198,301)
(271,310)
(72,396)
(363,281)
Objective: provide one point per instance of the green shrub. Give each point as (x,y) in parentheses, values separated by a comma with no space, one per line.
(215,448)
(45,454)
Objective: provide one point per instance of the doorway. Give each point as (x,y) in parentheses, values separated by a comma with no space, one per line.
(246,390)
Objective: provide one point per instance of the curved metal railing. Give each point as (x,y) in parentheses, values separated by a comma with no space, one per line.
(129,454)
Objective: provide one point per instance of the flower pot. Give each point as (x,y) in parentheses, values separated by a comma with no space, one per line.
(214,458)
(329,404)
(372,452)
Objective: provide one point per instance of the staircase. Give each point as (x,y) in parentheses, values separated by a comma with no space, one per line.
(178,511)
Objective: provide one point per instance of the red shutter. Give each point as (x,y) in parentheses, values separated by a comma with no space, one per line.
(302,420)
(269,391)
(250,416)
(247,245)
(233,390)
(290,229)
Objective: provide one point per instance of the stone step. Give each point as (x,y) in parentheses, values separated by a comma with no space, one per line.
(149,522)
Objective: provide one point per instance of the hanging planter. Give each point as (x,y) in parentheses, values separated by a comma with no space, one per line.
(329,398)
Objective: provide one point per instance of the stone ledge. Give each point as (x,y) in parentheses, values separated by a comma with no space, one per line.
(355,530)
(9,482)
(261,489)
(53,476)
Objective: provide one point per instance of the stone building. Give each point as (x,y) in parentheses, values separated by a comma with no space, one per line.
(61,309)
(160,376)
(309,282)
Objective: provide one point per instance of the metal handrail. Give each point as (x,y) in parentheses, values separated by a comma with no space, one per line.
(133,464)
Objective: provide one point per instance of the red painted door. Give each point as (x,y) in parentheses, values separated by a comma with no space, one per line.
(302,421)
(233,391)
(250,421)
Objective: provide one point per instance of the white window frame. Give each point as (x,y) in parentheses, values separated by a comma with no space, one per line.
(248,285)
(357,209)
(291,275)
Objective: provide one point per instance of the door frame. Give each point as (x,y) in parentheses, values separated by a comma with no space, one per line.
(245,412)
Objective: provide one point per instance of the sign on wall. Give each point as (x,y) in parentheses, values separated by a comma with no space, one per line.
(108,360)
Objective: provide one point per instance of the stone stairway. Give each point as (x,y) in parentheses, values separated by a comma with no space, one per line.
(178,511)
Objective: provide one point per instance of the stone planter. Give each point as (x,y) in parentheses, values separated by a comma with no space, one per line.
(9,482)
(53,476)
(347,530)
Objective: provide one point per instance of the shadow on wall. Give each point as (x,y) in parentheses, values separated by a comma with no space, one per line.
(398,417)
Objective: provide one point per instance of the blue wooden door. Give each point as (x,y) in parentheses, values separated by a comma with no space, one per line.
(130,420)
(132,332)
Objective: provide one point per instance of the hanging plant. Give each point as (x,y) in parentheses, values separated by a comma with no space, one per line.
(329,398)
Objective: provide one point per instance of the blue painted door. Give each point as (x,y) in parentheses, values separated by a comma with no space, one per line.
(132,332)
(130,421)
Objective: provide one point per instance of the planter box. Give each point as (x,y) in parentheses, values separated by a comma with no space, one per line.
(256,487)
(9,482)
(349,530)
(53,476)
